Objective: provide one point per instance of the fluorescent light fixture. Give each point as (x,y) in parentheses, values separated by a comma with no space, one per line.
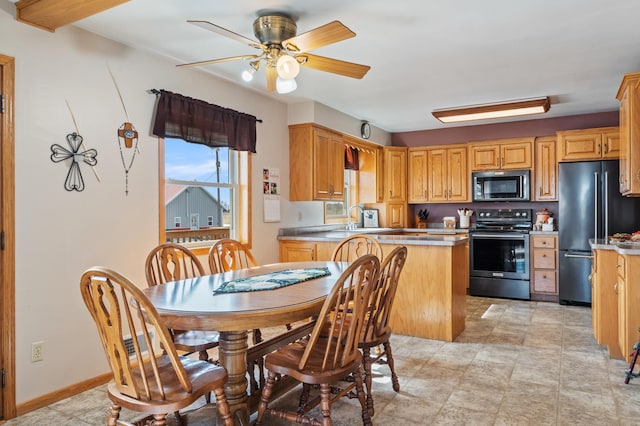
(493,110)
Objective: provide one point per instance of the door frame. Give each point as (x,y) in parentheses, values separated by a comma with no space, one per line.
(7,224)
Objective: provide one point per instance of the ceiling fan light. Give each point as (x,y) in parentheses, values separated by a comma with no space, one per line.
(247,75)
(285,85)
(287,67)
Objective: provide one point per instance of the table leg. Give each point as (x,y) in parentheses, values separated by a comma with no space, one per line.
(233,356)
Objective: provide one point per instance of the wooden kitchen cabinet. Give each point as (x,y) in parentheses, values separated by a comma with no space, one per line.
(418,176)
(395,186)
(544,267)
(301,251)
(629,97)
(448,175)
(588,144)
(545,177)
(316,158)
(628,293)
(604,300)
(503,154)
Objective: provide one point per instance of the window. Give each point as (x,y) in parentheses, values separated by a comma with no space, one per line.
(336,211)
(200,181)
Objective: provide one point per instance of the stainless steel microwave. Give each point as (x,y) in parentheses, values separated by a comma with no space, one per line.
(508,185)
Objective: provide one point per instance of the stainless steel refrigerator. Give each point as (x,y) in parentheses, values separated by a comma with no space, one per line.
(590,206)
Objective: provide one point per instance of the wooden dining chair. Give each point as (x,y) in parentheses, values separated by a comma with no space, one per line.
(355,246)
(230,255)
(145,380)
(171,262)
(331,352)
(376,330)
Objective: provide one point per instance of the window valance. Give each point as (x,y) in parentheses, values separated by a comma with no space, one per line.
(197,121)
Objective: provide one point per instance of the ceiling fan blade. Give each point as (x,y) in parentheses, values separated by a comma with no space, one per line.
(227,33)
(215,61)
(332,32)
(336,66)
(272,76)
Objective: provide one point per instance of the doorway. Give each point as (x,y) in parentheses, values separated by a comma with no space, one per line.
(7,240)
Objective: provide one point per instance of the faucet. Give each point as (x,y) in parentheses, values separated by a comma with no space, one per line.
(350,225)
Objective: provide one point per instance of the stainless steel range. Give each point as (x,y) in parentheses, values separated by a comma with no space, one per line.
(499,253)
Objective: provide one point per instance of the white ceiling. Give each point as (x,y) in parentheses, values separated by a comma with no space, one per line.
(424,54)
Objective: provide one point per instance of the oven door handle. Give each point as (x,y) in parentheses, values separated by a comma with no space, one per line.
(501,236)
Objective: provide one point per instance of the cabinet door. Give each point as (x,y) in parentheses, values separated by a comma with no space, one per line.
(516,156)
(546,166)
(484,157)
(418,176)
(578,145)
(438,176)
(458,174)
(611,143)
(396,215)
(395,172)
(625,141)
(328,167)
(297,251)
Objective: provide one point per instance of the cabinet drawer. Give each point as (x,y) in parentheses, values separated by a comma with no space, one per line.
(621,266)
(544,282)
(544,242)
(544,258)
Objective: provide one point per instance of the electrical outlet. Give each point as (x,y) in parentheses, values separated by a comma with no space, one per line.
(37,351)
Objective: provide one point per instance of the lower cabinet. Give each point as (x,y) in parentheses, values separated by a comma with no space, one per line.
(544,267)
(628,292)
(604,300)
(301,251)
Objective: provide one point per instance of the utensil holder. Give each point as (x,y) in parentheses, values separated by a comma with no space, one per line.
(464,221)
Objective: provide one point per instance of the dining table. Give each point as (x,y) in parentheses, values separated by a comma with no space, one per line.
(211,302)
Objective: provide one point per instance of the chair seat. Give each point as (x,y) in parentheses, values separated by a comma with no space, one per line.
(371,339)
(205,377)
(285,361)
(195,341)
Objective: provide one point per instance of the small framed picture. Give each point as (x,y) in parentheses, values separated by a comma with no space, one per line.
(370,218)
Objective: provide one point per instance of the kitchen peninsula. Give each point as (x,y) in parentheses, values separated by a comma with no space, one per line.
(431,297)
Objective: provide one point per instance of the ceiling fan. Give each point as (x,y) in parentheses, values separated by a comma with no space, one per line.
(283,52)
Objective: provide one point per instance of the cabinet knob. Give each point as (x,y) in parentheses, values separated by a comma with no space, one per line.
(544,255)
(544,276)
(605,147)
(544,243)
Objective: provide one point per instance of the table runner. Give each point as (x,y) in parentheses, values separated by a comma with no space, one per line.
(272,280)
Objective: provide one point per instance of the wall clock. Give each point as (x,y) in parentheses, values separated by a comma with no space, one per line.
(365,130)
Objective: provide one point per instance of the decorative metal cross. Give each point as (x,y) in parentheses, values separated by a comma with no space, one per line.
(74,181)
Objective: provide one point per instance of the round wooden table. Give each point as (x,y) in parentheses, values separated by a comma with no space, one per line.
(193,304)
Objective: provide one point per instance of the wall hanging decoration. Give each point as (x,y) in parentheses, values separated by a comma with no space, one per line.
(127,135)
(74,181)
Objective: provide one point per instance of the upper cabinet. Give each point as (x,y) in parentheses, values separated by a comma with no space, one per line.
(316,163)
(395,187)
(448,174)
(588,144)
(545,175)
(503,154)
(418,175)
(629,97)
(395,174)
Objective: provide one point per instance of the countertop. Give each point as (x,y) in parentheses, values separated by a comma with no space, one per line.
(632,248)
(404,236)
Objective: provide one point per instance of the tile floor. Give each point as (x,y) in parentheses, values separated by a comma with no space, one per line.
(516,363)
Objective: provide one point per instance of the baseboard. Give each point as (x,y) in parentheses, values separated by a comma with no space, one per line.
(60,394)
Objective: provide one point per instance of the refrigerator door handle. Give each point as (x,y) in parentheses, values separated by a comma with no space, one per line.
(595,205)
(606,205)
(580,256)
